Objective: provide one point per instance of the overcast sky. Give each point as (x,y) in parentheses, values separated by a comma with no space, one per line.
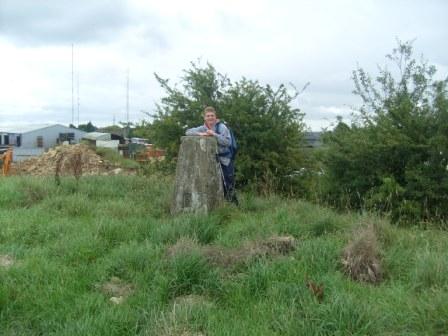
(275,42)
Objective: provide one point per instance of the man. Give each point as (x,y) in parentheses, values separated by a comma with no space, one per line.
(213,127)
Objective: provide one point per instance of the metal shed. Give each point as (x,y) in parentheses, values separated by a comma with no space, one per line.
(32,140)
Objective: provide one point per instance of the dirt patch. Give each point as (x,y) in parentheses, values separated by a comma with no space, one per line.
(73,160)
(182,246)
(6,261)
(116,289)
(273,246)
(228,257)
(361,257)
(280,244)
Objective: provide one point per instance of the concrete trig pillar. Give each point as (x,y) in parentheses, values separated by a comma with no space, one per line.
(198,186)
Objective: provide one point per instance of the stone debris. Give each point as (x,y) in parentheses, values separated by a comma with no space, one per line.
(117,300)
(117,289)
(6,261)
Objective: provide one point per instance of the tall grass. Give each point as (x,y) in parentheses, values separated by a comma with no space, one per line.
(67,241)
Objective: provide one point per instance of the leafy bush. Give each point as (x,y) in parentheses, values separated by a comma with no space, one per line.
(394,157)
(268,129)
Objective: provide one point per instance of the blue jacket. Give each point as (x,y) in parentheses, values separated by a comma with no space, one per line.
(223,138)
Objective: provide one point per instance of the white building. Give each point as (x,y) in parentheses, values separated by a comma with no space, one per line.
(99,139)
(32,140)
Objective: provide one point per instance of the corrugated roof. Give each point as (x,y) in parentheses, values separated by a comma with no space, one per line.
(20,129)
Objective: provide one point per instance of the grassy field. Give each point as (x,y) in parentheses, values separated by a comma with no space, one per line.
(104,257)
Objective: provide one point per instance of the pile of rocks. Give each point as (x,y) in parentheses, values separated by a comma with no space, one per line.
(65,156)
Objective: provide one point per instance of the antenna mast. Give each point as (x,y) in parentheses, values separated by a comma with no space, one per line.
(73,102)
(77,77)
(127,104)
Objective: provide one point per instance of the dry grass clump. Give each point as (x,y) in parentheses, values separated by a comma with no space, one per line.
(361,257)
(75,163)
(229,257)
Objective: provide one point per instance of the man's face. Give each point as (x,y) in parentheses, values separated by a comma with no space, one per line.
(210,119)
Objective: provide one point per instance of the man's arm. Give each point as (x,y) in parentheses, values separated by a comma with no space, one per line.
(196,130)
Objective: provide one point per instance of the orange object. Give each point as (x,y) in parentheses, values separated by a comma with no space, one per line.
(317,290)
(7,159)
(150,154)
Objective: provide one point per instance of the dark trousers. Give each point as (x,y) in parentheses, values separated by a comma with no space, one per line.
(228,173)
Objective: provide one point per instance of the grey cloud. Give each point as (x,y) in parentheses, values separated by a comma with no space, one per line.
(231,23)
(152,37)
(61,22)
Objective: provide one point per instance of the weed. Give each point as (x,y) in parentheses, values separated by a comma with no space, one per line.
(361,260)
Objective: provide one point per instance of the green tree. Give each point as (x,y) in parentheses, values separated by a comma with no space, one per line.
(394,156)
(89,127)
(115,129)
(268,129)
(141,130)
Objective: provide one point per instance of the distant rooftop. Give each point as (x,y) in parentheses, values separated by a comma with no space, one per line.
(97,136)
(313,139)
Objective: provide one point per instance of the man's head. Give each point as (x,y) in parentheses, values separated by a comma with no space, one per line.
(210,116)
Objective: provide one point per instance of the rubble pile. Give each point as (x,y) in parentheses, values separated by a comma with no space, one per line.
(67,157)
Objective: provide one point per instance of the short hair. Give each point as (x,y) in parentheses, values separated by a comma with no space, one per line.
(209,109)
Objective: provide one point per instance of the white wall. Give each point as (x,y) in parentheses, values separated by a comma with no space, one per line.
(50,135)
(112,144)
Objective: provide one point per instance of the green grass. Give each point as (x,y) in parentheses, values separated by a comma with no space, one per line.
(68,240)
